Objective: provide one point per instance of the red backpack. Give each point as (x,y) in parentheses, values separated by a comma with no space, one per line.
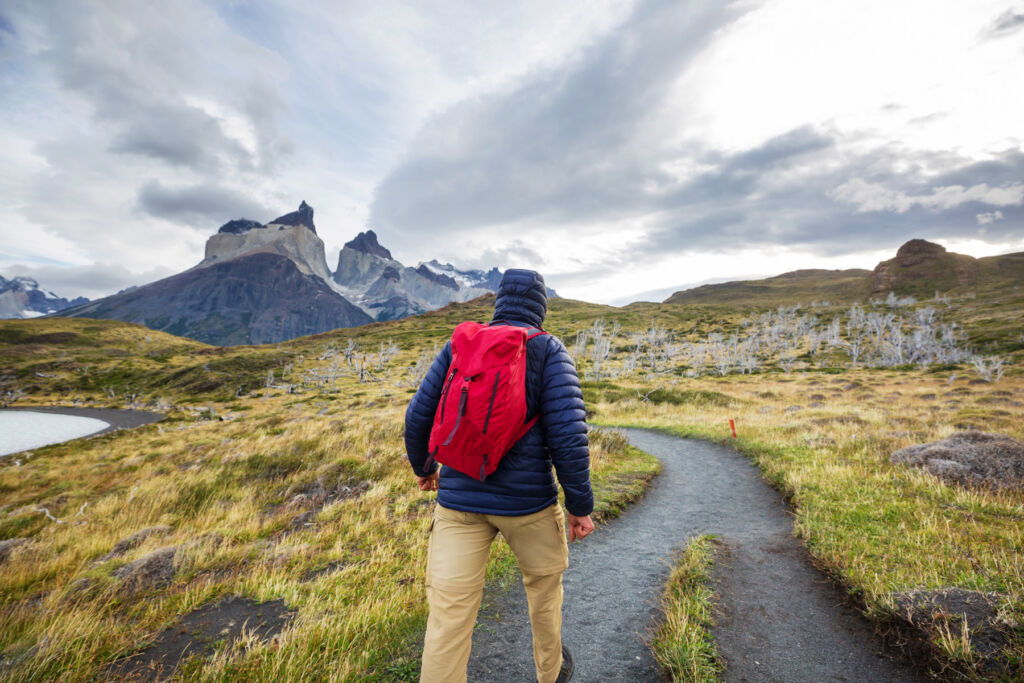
(482,412)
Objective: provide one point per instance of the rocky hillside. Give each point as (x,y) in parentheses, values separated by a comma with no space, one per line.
(920,269)
(258,283)
(22,297)
(387,290)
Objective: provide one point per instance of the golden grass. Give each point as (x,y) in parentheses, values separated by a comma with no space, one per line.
(225,481)
(224,471)
(683,643)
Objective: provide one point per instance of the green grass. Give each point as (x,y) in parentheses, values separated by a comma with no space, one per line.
(683,643)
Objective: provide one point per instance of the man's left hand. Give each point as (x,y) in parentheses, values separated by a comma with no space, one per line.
(428,483)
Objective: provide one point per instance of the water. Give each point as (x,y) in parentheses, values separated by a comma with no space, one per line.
(21,430)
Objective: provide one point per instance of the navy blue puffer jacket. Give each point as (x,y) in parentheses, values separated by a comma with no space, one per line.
(523,482)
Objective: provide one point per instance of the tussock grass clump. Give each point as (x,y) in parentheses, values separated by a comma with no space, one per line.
(683,643)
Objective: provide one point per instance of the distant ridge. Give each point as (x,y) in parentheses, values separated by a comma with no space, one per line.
(920,268)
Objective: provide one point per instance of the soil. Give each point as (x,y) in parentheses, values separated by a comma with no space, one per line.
(779,619)
(199,633)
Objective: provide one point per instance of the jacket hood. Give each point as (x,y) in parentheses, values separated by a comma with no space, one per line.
(522,297)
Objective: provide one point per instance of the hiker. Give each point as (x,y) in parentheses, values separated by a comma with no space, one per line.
(518,497)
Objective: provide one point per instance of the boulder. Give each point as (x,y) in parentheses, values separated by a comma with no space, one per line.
(970,458)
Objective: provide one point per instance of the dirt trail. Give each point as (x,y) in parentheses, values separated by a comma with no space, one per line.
(780,620)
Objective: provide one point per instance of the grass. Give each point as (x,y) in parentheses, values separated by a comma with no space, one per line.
(227,472)
(877,528)
(235,468)
(683,643)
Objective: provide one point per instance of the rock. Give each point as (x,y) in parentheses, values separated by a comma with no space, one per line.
(303,216)
(367,243)
(926,266)
(9,544)
(970,458)
(134,541)
(438,278)
(238,226)
(793,409)
(257,298)
(151,571)
(22,297)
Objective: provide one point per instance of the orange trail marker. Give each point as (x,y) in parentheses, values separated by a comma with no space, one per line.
(732,426)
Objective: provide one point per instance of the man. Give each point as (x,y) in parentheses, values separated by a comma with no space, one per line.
(519,499)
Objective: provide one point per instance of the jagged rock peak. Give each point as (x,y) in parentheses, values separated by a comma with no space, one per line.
(440,279)
(390,274)
(367,243)
(239,225)
(304,216)
(919,247)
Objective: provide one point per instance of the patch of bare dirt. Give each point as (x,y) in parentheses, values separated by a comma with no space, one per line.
(134,541)
(970,458)
(840,419)
(201,632)
(309,498)
(923,615)
(9,544)
(152,570)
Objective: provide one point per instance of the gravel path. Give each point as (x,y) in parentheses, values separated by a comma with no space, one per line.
(780,619)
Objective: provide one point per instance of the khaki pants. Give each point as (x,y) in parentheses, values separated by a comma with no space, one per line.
(460,544)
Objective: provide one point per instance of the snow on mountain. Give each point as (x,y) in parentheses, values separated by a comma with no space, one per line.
(22,297)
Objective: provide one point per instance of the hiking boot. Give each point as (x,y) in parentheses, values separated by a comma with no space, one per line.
(565,673)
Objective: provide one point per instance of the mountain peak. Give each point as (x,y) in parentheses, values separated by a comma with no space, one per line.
(921,268)
(919,247)
(303,216)
(239,225)
(367,243)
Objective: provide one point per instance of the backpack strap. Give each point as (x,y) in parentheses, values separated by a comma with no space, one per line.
(531,331)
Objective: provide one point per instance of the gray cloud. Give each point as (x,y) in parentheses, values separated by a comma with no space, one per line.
(181,136)
(142,80)
(586,144)
(198,204)
(1006,23)
(91,281)
(569,144)
(743,204)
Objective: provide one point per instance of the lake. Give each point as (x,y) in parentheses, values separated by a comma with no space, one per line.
(21,430)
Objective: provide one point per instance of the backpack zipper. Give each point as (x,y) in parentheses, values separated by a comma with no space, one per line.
(447,386)
(458,417)
(490,406)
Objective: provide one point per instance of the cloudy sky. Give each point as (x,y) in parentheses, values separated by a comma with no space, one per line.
(623,148)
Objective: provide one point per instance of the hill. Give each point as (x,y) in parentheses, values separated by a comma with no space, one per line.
(920,269)
(788,289)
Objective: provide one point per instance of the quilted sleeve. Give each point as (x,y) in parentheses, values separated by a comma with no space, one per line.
(419,416)
(563,419)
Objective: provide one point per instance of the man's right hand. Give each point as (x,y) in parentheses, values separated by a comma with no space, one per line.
(428,483)
(579,527)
